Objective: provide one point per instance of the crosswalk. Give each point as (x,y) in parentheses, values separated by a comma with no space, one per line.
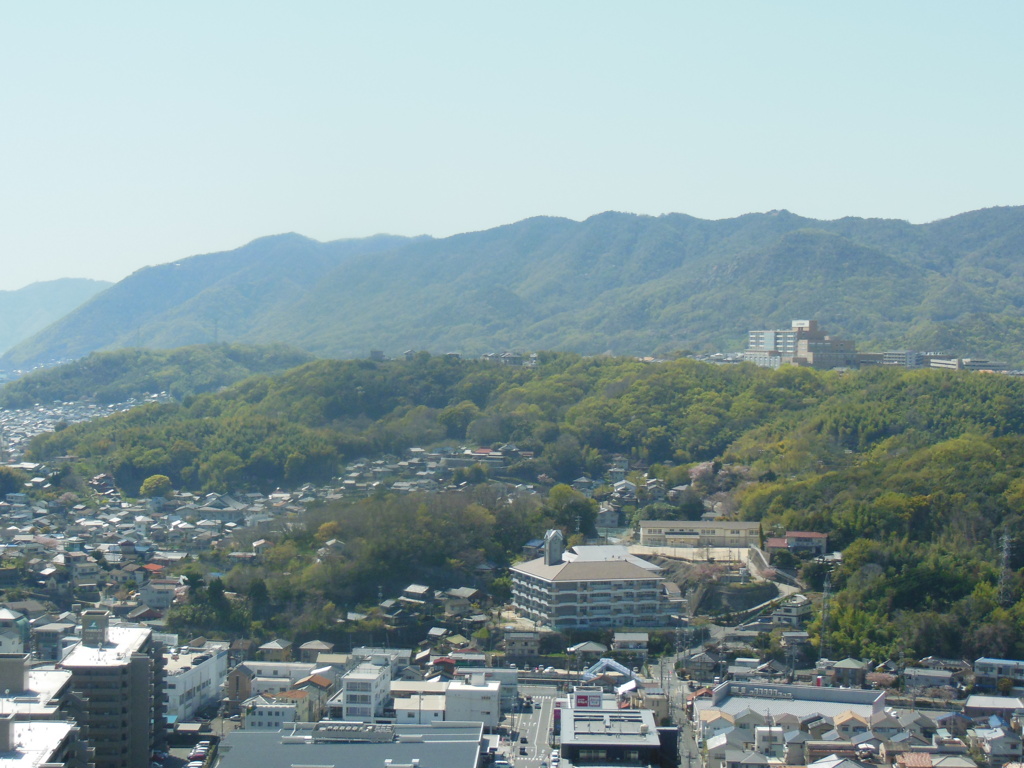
(535,727)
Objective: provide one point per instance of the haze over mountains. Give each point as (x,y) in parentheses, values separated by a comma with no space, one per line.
(615,282)
(29,310)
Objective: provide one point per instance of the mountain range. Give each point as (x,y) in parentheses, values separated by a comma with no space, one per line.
(29,310)
(616,282)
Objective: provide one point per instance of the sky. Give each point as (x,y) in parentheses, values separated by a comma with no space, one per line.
(141,133)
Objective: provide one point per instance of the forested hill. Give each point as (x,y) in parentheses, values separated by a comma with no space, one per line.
(28,310)
(114,377)
(915,475)
(615,282)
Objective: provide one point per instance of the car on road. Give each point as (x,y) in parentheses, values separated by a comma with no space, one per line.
(523,740)
(522,750)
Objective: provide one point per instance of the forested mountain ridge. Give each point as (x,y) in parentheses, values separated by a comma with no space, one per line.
(198,300)
(915,475)
(615,282)
(28,310)
(116,376)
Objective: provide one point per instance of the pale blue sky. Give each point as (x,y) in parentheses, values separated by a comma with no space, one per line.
(136,133)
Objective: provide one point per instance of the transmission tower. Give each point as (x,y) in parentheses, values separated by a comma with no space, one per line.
(1004,570)
(826,598)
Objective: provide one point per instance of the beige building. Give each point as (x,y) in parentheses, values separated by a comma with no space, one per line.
(699,533)
(804,343)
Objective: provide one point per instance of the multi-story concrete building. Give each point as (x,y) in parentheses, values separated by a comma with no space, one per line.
(42,744)
(987,673)
(364,692)
(118,674)
(627,737)
(570,589)
(266,712)
(795,610)
(699,533)
(42,693)
(14,632)
(193,679)
(804,343)
(474,699)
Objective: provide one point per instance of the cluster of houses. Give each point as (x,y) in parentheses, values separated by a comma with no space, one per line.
(759,722)
(118,554)
(19,425)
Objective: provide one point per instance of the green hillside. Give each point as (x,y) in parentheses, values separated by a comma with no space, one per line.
(114,377)
(615,283)
(915,475)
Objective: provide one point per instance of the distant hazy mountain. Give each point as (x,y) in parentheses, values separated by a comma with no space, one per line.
(615,282)
(32,308)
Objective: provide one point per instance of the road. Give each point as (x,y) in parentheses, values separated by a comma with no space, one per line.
(535,726)
(677,691)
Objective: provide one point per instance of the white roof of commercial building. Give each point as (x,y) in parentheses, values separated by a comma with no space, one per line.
(993,702)
(480,685)
(121,643)
(624,727)
(418,686)
(801,700)
(449,744)
(428,703)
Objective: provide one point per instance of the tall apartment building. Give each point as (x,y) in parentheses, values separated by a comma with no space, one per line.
(39,716)
(117,672)
(581,588)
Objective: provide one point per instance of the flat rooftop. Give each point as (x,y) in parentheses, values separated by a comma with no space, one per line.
(441,745)
(36,740)
(624,727)
(44,688)
(121,643)
(187,659)
(801,700)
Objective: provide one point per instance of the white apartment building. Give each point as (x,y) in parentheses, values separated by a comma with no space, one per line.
(364,692)
(584,588)
(474,700)
(266,712)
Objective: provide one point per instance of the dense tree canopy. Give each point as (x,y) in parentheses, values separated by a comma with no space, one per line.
(915,475)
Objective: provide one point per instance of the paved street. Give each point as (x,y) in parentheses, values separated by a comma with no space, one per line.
(534,726)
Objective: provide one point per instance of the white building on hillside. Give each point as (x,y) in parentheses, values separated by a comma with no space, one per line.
(601,586)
